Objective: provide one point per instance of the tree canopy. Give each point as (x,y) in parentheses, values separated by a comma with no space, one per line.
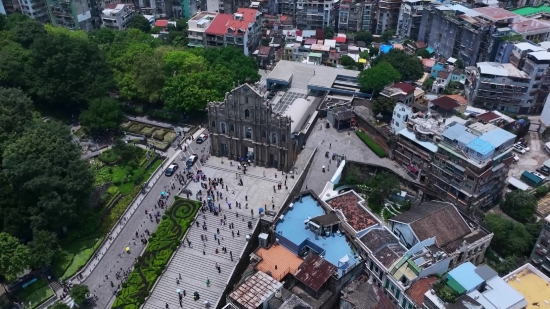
(102,114)
(377,77)
(410,67)
(510,238)
(139,22)
(383,105)
(424,53)
(44,170)
(14,257)
(364,36)
(15,115)
(43,248)
(381,186)
(79,293)
(520,205)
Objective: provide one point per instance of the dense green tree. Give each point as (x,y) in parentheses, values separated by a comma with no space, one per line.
(103,37)
(46,173)
(80,292)
(364,36)
(424,53)
(179,62)
(43,248)
(27,32)
(68,72)
(125,151)
(185,92)
(510,238)
(181,24)
(15,115)
(244,67)
(381,186)
(508,264)
(383,105)
(77,34)
(387,36)
(13,219)
(149,77)
(347,61)
(329,33)
(377,77)
(410,67)
(177,38)
(139,22)
(265,42)
(364,55)
(102,114)
(373,51)
(520,205)
(459,64)
(13,19)
(14,257)
(14,60)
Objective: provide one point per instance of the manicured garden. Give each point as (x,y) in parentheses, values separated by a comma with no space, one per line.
(35,294)
(126,168)
(163,243)
(371,144)
(161,137)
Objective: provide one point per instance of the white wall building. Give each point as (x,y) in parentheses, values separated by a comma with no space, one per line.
(116,16)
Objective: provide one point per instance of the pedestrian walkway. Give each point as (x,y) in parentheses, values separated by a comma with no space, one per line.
(197,266)
(151,122)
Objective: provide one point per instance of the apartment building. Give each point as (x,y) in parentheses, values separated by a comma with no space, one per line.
(369,15)
(197,25)
(387,15)
(315,14)
(400,92)
(71,14)
(242,29)
(410,17)
(350,15)
(116,16)
(9,7)
(35,9)
(520,86)
(540,257)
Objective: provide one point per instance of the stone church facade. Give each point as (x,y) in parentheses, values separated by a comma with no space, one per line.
(244,126)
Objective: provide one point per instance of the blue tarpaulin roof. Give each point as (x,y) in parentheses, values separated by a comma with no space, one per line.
(430,50)
(385,48)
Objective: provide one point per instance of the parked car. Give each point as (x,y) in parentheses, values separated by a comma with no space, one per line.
(191,160)
(519,149)
(202,138)
(544,170)
(171,169)
(522,146)
(516,158)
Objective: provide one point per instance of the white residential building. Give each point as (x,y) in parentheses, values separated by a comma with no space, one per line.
(116,16)
(35,9)
(196,28)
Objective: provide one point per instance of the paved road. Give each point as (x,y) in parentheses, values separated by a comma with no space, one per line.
(115,258)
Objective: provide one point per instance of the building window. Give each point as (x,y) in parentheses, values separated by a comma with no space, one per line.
(231,128)
(274,138)
(222,127)
(283,138)
(248,132)
(213,124)
(264,134)
(246,114)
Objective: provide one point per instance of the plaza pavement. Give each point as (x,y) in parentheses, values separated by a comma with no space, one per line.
(196,267)
(343,144)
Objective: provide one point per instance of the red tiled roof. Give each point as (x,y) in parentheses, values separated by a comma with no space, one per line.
(310,41)
(249,15)
(406,88)
(219,24)
(446,103)
(320,34)
(340,39)
(161,23)
(488,116)
(428,62)
(420,44)
(299,32)
(236,25)
(419,288)
(356,216)
(284,17)
(315,271)
(443,74)
(264,50)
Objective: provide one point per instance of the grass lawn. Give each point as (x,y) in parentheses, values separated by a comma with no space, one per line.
(73,256)
(35,294)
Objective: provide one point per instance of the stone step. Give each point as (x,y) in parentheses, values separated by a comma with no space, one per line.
(240,172)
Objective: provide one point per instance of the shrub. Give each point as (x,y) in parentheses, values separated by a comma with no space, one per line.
(371,144)
(173,247)
(153,235)
(124,284)
(164,216)
(108,156)
(541,191)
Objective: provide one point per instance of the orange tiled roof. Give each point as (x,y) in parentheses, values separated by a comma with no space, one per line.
(356,215)
(286,261)
(237,25)
(249,15)
(419,288)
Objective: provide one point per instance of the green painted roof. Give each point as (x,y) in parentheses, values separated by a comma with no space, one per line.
(453,284)
(532,10)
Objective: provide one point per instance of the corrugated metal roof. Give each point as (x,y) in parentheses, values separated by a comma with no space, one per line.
(497,137)
(255,290)
(315,272)
(480,146)
(459,132)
